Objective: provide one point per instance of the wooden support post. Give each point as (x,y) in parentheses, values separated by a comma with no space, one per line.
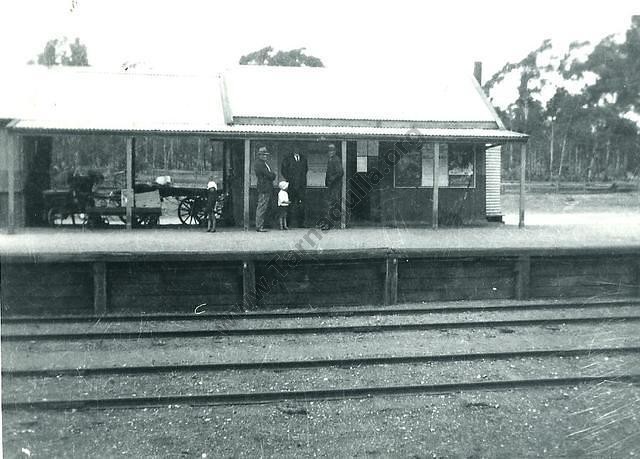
(226,174)
(99,288)
(436,167)
(247,183)
(249,294)
(391,281)
(12,153)
(343,200)
(523,277)
(523,169)
(131,147)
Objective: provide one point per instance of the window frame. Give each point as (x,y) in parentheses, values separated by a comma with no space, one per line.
(474,152)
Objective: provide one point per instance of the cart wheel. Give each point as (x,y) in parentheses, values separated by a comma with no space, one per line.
(192,211)
(55,216)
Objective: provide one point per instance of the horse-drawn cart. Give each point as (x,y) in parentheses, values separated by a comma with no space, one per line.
(66,207)
(192,203)
(82,205)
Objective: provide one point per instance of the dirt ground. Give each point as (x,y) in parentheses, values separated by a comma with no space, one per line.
(571,203)
(598,421)
(574,209)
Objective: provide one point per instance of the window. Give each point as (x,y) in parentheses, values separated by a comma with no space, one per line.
(456,167)
(461,166)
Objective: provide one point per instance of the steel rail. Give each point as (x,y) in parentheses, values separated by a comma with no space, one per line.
(304,364)
(309,395)
(313,330)
(313,313)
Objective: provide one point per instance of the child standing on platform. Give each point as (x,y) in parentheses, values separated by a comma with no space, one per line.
(212,196)
(283,204)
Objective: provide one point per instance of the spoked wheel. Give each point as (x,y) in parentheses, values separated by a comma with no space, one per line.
(191,211)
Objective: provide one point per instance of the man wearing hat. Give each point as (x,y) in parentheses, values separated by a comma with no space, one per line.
(265,187)
(333,183)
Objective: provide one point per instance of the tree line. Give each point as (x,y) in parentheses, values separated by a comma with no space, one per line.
(577,135)
(582,135)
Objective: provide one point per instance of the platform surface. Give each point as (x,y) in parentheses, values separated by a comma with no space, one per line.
(598,234)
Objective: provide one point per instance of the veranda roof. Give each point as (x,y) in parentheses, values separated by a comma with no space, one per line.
(249,101)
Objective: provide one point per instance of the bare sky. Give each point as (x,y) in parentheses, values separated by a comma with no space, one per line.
(204,36)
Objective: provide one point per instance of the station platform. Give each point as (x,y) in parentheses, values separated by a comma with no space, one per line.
(47,243)
(168,270)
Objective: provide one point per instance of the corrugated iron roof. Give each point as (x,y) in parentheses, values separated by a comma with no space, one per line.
(356,131)
(82,99)
(373,94)
(271,130)
(66,96)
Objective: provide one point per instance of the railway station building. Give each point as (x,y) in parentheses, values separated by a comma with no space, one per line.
(416,149)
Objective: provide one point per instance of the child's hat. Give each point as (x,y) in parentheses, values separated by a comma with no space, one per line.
(212,184)
(283,185)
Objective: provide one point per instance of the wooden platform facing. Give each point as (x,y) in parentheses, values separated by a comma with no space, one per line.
(46,272)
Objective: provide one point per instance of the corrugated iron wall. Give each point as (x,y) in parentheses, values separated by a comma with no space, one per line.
(493,166)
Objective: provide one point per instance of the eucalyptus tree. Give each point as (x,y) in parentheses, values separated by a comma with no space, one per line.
(292,58)
(59,51)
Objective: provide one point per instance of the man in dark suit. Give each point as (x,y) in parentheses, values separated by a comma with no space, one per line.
(333,182)
(294,170)
(265,187)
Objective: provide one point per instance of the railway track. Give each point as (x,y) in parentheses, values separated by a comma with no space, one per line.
(627,355)
(452,308)
(324,363)
(361,329)
(311,395)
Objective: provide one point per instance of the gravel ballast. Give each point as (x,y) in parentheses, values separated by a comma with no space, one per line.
(581,421)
